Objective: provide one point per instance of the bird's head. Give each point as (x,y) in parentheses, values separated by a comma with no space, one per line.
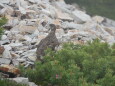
(52,27)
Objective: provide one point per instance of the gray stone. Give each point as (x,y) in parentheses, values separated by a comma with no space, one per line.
(5,61)
(7,54)
(4,37)
(21,80)
(72,25)
(32,84)
(98,19)
(8,47)
(63,16)
(15,44)
(32,58)
(80,16)
(108,22)
(4,1)
(7,41)
(21,59)
(24,29)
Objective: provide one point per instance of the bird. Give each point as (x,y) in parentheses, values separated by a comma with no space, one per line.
(50,41)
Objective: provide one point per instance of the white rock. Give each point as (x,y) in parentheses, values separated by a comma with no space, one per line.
(21,80)
(8,47)
(36,32)
(62,6)
(16,44)
(32,84)
(6,54)
(5,61)
(4,1)
(72,25)
(63,16)
(24,29)
(98,19)
(80,16)
(59,33)
(21,59)
(109,22)
(27,38)
(15,62)
(29,53)
(32,1)
(7,41)
(4,37)
(32,58)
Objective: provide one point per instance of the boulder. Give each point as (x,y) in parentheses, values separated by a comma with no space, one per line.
(24,29)
(80,16)
(21,80)
(5,61)
(11,71)
(108,22)
(4,37)
(4,1)
(72,25)
(63,16)
(7,54)
(98,19)
(32,58)
(3,42)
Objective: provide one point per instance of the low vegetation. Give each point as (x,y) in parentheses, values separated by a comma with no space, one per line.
(75,65)
(3,20)
(5,82)
(104,8)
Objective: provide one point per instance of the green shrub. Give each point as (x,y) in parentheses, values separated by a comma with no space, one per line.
(3,20)
(5,82)
(75,65)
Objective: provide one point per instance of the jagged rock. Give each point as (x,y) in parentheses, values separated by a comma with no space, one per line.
(4,37)
(5,61)
(80,17)
(24,29)
(4,1)
(23,80)
(11,71)
(71,25)
(32,58)
(108,22)
(111,31)
(49,42)
(15,62)
(21,60)
(32,84)
(98,19)
(63,16)
(11,22)
(59,33)
(16,44)
(7,11)
(3,42)
(7,54)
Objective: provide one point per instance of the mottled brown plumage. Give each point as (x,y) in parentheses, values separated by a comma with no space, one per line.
(49,42)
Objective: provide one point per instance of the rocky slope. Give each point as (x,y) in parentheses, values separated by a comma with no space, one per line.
(28,23)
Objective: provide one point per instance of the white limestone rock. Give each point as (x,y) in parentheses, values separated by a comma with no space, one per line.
(5,61)
(7,54)
(4,1)
(80,16)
